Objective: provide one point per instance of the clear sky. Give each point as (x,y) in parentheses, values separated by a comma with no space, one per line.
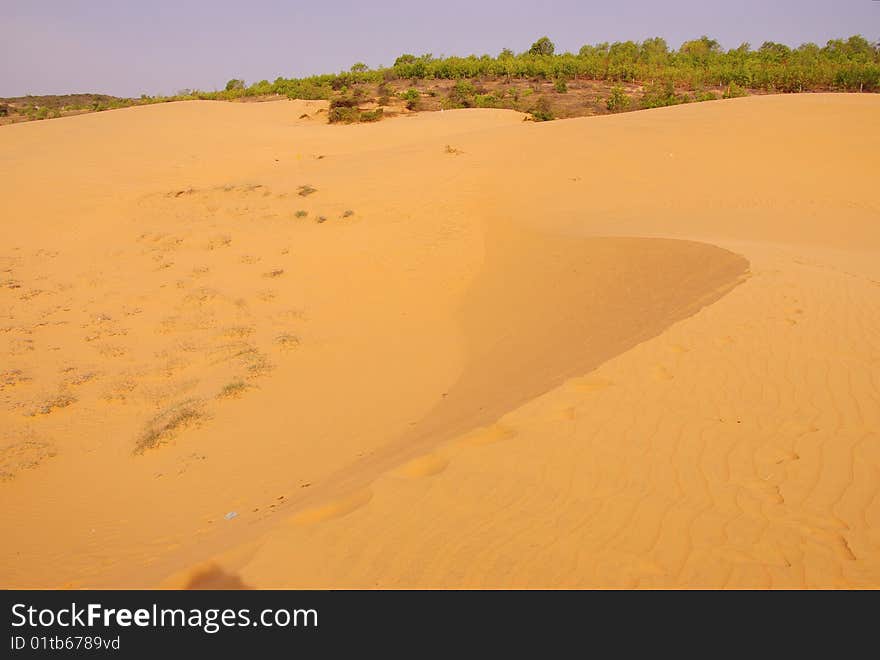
(127,48)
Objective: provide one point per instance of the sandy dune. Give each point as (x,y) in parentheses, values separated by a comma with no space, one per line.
(245,348)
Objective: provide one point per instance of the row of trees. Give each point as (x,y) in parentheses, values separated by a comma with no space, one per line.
(851,64)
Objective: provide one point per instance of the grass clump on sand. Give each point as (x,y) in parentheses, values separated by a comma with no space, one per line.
(288,341)
(61,401)
(348,213)
(168,423)
(301,214)
(233,390)
(306,190)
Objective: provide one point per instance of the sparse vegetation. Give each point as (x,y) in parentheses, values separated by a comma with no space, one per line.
(659,94)
(306,190)
(542,111)
(734,91)
(233,390)
(166,424)
(301,214)
(697,67)
(60,401)
(287,341)
(348,213)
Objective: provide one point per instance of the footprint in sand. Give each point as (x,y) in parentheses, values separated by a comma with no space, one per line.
(336,509)
(424,466)
(487,435)
(661,373)
(589,384)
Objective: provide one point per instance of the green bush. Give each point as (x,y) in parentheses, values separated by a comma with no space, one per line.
(660,93)
(560,85)
(235,83)
(372,115)
(344,115)
(413,98)
(618,101)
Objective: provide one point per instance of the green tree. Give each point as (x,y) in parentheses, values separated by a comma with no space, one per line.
(234,84)
(542,46)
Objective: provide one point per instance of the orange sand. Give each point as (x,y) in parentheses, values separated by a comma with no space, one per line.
(640,350)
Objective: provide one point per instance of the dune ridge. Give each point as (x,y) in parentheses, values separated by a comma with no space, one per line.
(562,355)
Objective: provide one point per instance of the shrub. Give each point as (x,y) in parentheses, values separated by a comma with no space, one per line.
(561,86)
(413,98)
(383,91)
(705,96)
(660,93)
(733,91)
(372,115)
(235,83)
(462,94)
(618,101)
(343,115)
(542,110)
(486,101)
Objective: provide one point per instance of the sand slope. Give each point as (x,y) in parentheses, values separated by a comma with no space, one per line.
(637,350)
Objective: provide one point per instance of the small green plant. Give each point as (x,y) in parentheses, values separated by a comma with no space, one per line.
(618,101)
(560,86)
(301,214)
(705,95)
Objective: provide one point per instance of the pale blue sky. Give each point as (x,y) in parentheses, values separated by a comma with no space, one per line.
(160,46)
